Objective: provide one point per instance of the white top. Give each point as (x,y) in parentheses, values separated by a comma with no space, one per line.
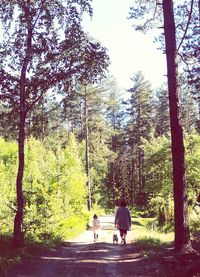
(96,224)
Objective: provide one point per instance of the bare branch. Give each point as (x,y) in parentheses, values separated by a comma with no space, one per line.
(182,58)
(188,22)
(40,10)
(5,96)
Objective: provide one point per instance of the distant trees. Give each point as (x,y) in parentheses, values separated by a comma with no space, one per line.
(189,48)
(140,122)
(161,117)
(134,123)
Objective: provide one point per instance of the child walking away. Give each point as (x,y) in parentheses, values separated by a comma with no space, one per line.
(95,227)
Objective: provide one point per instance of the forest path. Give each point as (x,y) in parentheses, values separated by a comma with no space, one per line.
(81,257)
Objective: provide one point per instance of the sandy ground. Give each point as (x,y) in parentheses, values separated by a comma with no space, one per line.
(82,257)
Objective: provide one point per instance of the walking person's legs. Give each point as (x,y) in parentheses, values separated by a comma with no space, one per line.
(123,233)
(96,235)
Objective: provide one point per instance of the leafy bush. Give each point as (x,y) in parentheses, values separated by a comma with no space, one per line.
(149,243)
(54,187)
(194,221)
(72,226)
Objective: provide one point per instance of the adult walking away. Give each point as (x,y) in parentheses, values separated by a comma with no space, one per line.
(123,220)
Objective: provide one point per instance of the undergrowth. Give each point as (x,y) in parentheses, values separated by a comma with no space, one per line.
(148,235)
(34,245)
(10,256)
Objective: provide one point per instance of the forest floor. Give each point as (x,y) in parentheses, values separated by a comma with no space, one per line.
(82,257)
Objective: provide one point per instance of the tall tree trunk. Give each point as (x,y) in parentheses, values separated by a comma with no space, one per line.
(132,179)
(198,120)
(139,142)
(87,166)
(81,120)
(42,133)
(140,169)
(18,237)
(182,235)
(187,112)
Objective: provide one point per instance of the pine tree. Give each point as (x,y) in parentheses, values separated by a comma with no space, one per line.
(161,117)
(139,124)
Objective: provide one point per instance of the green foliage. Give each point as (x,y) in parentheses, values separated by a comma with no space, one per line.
(54,188)
(192,145)
(153,243)
(8,169)
(99,158)
(158,165)
(73,171)
(161,116)
(72,226)
(158,169)
(194,220)
(149,243)
(147,236)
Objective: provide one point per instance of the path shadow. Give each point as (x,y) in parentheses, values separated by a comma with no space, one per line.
(88,259)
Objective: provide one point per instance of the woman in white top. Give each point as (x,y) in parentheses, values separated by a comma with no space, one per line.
(95,227)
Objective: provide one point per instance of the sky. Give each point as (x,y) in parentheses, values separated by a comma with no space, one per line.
(129,51)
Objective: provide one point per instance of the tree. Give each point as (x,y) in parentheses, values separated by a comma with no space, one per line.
(139,125)
(182,235)
(44,45)
(94,133)
(189,48)
(189,109)
(161,117)
(158,170)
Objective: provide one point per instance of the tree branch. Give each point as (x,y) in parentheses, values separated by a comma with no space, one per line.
(188,22)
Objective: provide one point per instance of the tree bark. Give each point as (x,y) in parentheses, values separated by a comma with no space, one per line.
(18,237)
(87,166)
(140,169)
(132,179)
(182,235)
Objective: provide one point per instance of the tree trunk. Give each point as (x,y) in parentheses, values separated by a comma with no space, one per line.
(140,169)
(132,179)
(87,166)
(18,237)
(42,131)
(81,120)
(198,120)
(182,235)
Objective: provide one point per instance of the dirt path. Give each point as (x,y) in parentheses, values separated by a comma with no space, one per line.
(82,257)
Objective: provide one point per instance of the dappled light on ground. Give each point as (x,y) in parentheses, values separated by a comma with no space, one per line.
(83,257)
